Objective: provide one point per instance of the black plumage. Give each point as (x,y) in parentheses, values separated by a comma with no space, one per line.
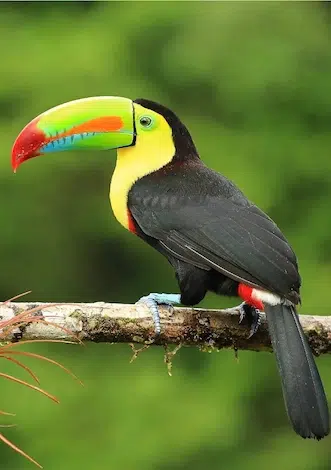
(303,390)
(215,238)
(205,220)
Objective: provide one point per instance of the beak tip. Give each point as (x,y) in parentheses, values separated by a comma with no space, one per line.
(16,156)
(14,167)
(14,163)
(26,145)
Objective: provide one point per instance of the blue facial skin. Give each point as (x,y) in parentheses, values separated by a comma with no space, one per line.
(66,142)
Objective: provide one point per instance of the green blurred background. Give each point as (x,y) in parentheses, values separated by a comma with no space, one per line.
(253,83)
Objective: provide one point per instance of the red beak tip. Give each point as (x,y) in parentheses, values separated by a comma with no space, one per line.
(27,144)
(14,163)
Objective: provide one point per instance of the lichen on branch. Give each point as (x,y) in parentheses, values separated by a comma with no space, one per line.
(124,323)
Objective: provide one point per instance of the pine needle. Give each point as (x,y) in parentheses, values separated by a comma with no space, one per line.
(7,353)
(47,359)
(20,364)
(17,449)
(26,384)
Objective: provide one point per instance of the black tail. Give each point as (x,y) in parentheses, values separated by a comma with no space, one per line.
(303,390)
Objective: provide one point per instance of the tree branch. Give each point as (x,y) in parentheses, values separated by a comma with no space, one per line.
(121,323)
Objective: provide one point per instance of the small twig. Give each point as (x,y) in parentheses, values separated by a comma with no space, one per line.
(136,351)
(169,355)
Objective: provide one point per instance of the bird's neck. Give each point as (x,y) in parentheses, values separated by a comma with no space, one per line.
(132,164)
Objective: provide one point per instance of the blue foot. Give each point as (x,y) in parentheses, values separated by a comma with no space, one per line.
(153,300)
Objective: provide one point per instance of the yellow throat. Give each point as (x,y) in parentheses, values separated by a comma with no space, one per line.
(153,149)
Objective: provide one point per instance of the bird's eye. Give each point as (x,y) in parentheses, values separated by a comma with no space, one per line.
(146,121)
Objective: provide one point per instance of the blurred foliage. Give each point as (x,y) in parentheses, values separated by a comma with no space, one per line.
(253,83)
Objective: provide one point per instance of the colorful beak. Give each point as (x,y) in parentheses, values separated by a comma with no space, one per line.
(98,123)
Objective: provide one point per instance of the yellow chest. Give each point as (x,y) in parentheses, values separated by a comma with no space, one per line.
(132,164)
(118,198)
(124,177)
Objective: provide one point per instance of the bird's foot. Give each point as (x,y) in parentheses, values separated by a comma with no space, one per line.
(154,300)
(253,316)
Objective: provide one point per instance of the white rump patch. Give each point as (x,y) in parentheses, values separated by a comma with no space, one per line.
(266,297)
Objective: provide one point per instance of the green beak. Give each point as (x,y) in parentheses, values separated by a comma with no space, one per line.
(98,123)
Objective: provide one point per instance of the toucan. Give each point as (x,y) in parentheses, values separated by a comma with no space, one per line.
(212,235)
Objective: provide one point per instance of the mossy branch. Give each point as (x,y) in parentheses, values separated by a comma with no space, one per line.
(121,323)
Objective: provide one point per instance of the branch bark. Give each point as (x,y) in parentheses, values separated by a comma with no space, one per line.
(121,323)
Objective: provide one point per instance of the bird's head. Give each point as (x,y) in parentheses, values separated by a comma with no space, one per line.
(101,123)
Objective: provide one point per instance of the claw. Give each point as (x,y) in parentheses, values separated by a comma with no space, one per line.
(153,300)
(253,316)
(242,313)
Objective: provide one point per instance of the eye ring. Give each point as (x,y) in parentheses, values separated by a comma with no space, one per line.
(146,121)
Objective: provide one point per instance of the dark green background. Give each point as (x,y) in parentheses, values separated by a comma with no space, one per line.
(252,81)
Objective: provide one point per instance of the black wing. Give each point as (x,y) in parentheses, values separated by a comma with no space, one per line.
(200,217)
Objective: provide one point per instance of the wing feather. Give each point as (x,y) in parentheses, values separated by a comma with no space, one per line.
(215,231)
